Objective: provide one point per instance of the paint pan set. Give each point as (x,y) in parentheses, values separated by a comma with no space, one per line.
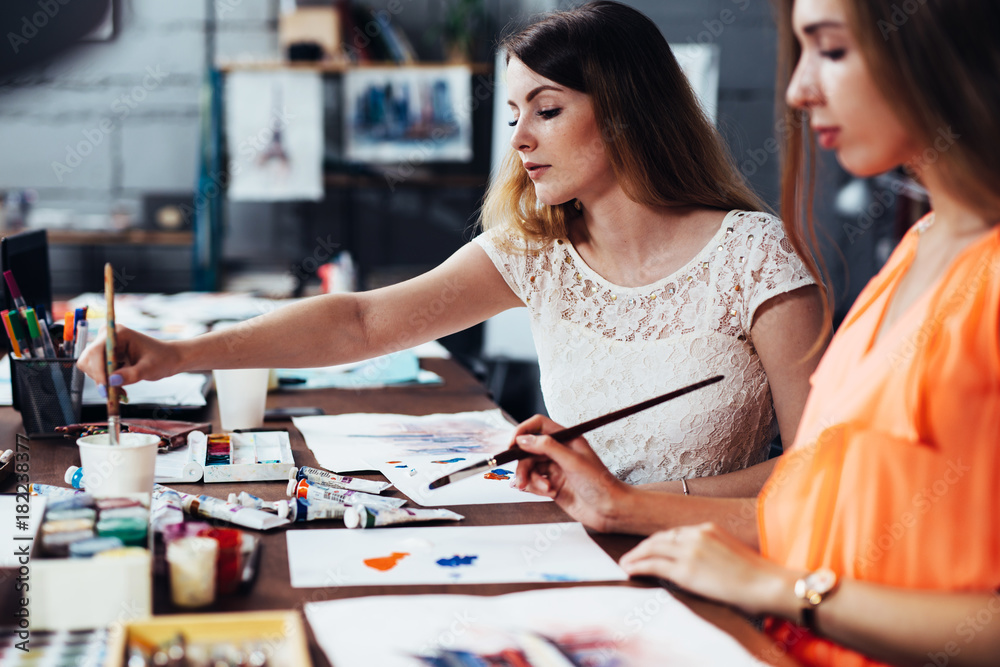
(245,457)
(258,639)
(96,550)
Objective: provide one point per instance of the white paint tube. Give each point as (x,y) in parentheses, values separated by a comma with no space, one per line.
(217,508)
(317,476)
(303,488)
(359,516)
(166,508)
(312,510)
(279,507)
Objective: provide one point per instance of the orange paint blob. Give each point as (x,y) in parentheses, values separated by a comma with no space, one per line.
(386,563)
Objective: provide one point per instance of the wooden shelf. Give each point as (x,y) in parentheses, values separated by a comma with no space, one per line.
(416,180)
(126,237)
(339,67)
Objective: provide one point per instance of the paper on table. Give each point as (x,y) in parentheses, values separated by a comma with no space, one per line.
(183,389)
(598,626)
(412,475)
(447,555)
(363,441)
(391,369)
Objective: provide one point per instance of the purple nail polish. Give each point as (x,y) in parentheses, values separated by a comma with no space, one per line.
(117,380)
(102,390)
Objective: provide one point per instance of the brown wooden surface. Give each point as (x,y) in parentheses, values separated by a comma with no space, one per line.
(272,590)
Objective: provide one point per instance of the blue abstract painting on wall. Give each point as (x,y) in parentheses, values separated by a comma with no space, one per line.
(410,115)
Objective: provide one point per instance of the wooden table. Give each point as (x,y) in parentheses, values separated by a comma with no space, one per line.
(460,392)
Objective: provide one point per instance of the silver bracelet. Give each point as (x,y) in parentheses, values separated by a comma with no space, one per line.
(684,485)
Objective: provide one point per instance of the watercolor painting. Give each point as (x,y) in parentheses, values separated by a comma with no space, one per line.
(274,134)
(447,554)
(394,114)
(365,441)
(414,474)
(595,626)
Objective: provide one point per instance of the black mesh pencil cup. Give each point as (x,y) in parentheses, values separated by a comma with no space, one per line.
(49,393)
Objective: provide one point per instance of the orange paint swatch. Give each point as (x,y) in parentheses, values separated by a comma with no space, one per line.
(386,563)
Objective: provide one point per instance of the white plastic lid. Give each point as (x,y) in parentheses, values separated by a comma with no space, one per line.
(283,508)
(233,499)
(352,516)
(293,474)
(70,472)
(292,483)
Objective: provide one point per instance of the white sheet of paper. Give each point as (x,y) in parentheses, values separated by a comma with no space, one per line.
(395,556)
(414,474)
(598,626)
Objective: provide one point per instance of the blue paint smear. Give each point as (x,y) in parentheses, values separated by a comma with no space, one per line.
(558,577)
(454,460)
(501,471)
(455,561)
(402,466)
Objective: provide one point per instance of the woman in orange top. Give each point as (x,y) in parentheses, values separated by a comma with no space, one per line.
(878,535)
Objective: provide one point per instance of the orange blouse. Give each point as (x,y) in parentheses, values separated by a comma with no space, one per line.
(894,476)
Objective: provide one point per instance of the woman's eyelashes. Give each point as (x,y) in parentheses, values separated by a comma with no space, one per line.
(546,114)
(833,54)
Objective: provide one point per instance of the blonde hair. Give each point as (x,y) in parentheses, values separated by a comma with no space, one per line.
(662,148)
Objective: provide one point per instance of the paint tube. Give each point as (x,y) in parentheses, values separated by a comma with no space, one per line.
(74,477)
(53,491)
(317,476)
(6,456)
(217,508)
(166,508)
(303,488)
(312,510)
(280,507)
(360,516)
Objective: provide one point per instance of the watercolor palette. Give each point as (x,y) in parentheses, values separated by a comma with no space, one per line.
(447,555)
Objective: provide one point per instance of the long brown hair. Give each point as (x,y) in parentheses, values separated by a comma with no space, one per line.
(662,148)
(938,64)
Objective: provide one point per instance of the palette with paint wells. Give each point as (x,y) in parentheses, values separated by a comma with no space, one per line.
(248,456)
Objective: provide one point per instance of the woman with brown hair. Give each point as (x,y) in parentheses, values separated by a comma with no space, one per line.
(877,532)
(622,225)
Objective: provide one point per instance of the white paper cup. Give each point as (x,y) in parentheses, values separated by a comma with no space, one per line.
(242,395)
(192,570)
(128,467)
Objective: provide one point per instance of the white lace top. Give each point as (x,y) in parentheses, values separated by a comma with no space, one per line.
(602,347)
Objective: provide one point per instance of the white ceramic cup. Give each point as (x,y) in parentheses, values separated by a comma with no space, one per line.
(242,395)
(128,467)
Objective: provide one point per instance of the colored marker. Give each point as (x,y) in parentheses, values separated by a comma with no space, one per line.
(15,293)
(82,333)
(34,334)
(18,328)
(15,344)
(67,345)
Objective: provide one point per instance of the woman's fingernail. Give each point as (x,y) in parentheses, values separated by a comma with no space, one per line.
(117,380)
(102,390)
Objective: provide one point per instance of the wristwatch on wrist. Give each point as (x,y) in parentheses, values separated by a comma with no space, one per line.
(811,590)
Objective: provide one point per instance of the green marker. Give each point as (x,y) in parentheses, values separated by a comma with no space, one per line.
(33,331)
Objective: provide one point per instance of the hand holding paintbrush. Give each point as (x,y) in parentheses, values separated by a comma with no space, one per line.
(515,453)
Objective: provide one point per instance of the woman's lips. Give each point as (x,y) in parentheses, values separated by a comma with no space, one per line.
(535,171)
(827,136)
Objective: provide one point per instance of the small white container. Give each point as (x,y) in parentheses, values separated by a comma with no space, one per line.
(112,470)
(242,396)
(192,571)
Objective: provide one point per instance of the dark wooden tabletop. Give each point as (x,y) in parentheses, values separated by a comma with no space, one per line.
(272,589)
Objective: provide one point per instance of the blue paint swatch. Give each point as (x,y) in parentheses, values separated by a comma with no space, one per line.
(454,460)
(456,561)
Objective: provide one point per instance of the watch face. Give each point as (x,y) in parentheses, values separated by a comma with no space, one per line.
(820,582)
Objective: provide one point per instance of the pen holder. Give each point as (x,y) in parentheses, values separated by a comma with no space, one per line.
(49,392)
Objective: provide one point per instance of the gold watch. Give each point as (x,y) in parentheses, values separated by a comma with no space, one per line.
(811,590)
